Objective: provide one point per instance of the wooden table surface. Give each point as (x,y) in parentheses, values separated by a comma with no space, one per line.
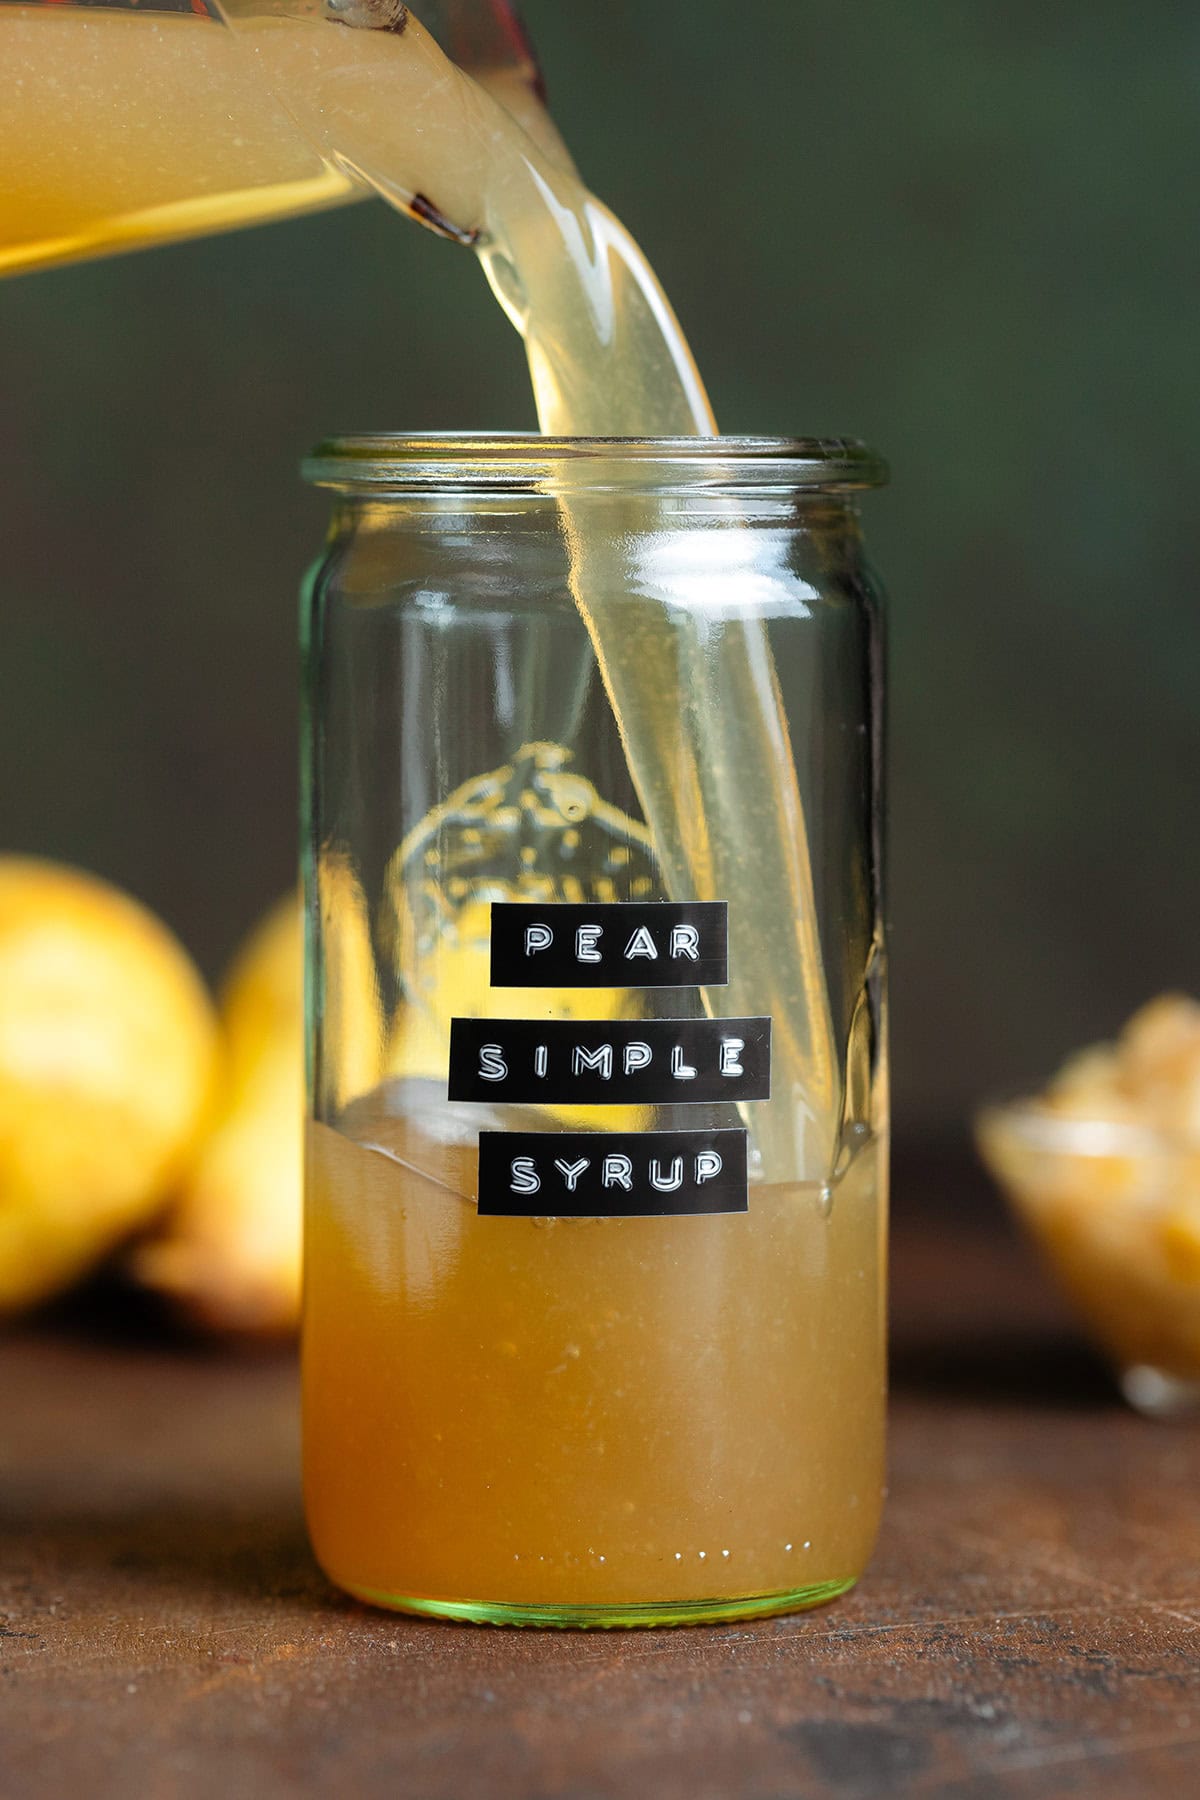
(1030,1626)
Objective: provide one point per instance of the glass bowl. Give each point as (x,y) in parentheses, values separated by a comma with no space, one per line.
(1114,1208)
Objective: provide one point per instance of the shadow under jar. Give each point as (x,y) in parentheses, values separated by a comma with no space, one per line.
(595,1218)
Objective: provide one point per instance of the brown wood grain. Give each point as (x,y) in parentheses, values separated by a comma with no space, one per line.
(1030,1626)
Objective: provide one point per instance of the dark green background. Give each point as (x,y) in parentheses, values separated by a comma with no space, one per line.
(963,229)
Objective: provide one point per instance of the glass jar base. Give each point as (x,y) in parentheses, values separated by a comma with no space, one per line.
(643,1614)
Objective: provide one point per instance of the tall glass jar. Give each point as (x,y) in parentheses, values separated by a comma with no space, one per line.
(594,1308)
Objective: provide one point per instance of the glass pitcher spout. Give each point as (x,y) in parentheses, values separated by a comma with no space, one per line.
(126,125)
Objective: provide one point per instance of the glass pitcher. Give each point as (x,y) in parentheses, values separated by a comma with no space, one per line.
(135,122)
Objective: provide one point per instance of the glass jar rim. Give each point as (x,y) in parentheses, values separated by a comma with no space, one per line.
(371,462)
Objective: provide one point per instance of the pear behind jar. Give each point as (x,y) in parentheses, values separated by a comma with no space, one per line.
(228,1252)
(108,1055)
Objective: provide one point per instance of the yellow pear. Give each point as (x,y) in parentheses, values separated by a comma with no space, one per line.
(107,1058)
(229,1250)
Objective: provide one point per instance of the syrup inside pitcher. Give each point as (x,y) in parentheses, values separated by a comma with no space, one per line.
(126,124)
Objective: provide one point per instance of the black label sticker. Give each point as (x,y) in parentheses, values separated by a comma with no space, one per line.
(611,1174)
(648,1062)
(618,944)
